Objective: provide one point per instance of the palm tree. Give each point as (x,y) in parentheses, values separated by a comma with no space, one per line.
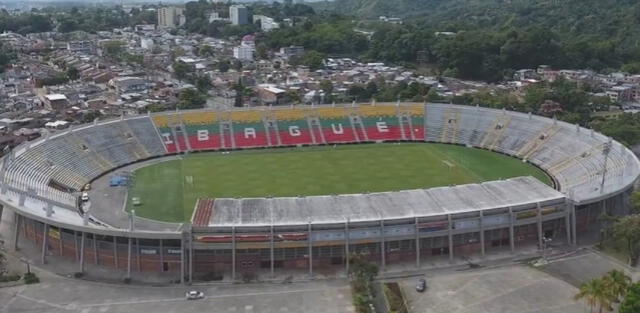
(596,293)
(618,283)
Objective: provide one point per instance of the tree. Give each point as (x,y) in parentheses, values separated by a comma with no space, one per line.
(433,95)
(203,83)
(73,73)
(628,228)
(326,86)
(206,51)
(181,70)
(262,52)
(631,303)
(190,99)
(635,201)
(293,96)
(113,48)
(237,65)
(596,293)
(224,66)
(618,283)
(361,269)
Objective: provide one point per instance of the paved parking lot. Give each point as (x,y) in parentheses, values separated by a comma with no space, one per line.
(584,266)
(57,294)
(510,289)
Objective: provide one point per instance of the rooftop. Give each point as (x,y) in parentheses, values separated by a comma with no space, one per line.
(383,205)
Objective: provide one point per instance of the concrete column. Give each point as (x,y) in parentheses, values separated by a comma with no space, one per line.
(512,239)
(95,249)
(182,271)
(16,234)
(129,257)
(574,237)
(138,253)
(45,241)
(346,245)
(567,223)
(383,252)
(233,253)
(417,230)
(161,248)
(60,244)
(82,239)
(75,245)
(115,251)
(190,255)
(450,237)
(271,253)
(310,248)
(540,235)
(481,224)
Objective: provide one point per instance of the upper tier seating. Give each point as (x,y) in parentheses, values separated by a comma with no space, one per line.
(573,156)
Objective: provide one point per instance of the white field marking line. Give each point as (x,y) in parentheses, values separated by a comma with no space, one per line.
(6,305)
(58,306)
(567,258)
(206,297)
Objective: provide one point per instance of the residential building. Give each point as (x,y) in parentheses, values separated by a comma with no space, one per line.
(56,101)
(128,84)
(84,46)
(271,95)
(266,23)
(243,52)
(146,43)
(170,17)
(239,15)
(291,51)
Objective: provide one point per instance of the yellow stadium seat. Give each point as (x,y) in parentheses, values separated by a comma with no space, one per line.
(161,120)
(246,116)
(289,114)
(199,118)
(380,110)
(331,112)
(416,109)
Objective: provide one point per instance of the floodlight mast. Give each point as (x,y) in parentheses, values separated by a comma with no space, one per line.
(606,149)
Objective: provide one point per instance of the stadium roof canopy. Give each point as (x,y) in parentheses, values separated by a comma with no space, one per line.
(382,206)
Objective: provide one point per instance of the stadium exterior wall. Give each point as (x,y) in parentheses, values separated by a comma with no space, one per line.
(176,254)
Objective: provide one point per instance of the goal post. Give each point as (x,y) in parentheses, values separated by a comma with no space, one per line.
(448,164)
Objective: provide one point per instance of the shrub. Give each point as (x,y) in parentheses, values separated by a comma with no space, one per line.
(31,278)
(8,278)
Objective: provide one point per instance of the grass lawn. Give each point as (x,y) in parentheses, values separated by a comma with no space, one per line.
(169,190)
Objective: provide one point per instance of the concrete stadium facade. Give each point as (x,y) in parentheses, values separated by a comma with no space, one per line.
(40,183)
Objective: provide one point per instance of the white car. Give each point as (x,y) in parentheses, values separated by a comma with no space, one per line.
(194,295)
(84,197)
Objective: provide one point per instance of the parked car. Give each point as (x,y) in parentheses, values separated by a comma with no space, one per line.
(422,285)
(194,295)
(84,197)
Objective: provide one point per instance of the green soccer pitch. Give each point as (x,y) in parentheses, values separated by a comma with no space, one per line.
(168,190)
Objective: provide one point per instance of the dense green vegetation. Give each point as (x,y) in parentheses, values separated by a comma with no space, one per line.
(77,18)
(494,37)
(631,302)
(169,190)
(362,274)
(326,34)
(604,292)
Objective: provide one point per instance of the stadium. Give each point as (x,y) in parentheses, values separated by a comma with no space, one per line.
(205,194)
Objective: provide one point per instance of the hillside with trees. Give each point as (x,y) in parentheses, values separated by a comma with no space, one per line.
(489,39)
